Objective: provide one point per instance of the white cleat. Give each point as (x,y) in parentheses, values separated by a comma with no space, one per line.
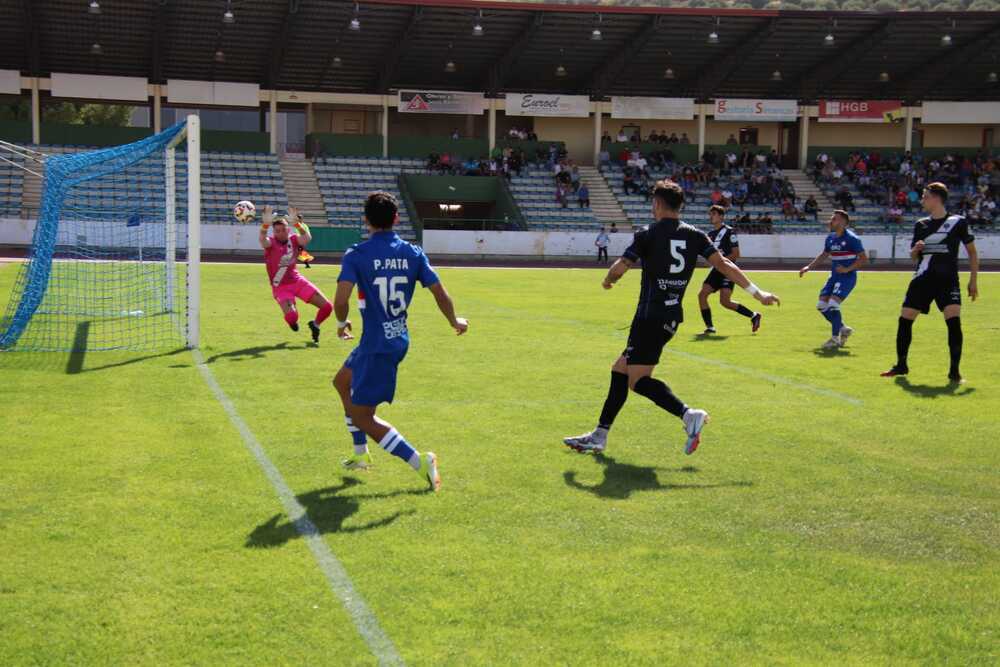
(845,333)
(831,344)
(594,441)
(694,422)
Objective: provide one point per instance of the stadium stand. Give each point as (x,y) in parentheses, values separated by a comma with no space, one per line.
(345,181)
(535,193)
(11,185)
(229,177)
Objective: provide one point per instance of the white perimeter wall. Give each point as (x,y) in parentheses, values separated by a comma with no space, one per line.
(538,244)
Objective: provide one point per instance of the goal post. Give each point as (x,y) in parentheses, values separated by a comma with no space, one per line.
(114,260)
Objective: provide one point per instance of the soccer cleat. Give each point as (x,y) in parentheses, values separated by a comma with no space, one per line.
(694,422)
(755,322)
(314,328)
(358,461)
(955,378)
(588,442)
(894,371)
(831,344)
(429,470)
(845,333)
(709,331)
(294,327)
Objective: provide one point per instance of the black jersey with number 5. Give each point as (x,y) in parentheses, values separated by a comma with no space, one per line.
(669,250)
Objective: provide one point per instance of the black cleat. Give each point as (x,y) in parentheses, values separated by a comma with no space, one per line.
(314,328)
(294,327)
(755,323)
(895,370)
(955,378)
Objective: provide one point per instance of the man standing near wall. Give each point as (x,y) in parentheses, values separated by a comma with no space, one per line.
(602,245)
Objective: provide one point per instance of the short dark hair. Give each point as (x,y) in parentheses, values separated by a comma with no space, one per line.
(381,209)
(843,215)
(715,208)
(670,194)
(938,188)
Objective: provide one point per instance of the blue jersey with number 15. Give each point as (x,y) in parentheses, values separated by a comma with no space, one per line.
(385,269)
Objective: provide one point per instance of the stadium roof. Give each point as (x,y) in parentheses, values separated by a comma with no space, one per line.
(309,45)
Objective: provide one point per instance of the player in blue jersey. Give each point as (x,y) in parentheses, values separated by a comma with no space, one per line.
(847,255)
(386,270)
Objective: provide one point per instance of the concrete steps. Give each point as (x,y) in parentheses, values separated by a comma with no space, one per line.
(603,202)
(804,187)
(302,189)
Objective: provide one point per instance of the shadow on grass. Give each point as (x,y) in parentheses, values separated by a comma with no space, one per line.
(621,480)
(831,352)
(931,391)
(250,353)
(72,363)
(708,338)
(328,510)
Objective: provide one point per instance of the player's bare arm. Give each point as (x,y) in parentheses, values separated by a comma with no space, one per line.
(265,224)
(341,308)
(447,308)
(808,267)
(617,270)
(973,270)
(305,236)
(735,254)
(916,251)
(857,264)
(734,273)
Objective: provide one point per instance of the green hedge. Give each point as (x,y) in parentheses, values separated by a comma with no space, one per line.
(17,131)
(352,145)
(423,146)
(333,239)
(91,135)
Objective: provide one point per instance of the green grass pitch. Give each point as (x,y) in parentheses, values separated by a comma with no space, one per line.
(829,517)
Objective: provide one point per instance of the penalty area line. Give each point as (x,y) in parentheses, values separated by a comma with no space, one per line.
(340,582)
(777,379)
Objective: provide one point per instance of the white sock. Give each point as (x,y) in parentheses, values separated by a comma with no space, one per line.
(415,460)
(361,449)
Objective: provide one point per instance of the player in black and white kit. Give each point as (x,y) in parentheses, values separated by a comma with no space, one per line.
(669,250)
(935,249)
(724,239)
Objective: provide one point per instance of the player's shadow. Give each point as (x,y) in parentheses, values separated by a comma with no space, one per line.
(832,352)
(931,391)
(258,352)
(621,480)
(708,338)
(327,509)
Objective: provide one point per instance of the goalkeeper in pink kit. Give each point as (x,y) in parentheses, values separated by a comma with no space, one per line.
(281,252)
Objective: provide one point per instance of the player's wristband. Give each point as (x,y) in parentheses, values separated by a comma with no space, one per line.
(301,226)
(341,325)
(752,289)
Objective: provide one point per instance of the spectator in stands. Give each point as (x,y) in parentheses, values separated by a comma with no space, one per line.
(604,157)
(913,200)
(745,219)
(741,194)
(613,229)
(673,138)
(583,196)
(622,138)
(574,177)
(531,136)
(455,134)
(653,137)
(730,162)
(788,210)
(716,196)
(444,163)
(636,138)
(684,138)
(433,162)
(844,199)
(731,141)
(605,138)
(629,182)
(894,215)
(746,159)
(811,207)
(562,195)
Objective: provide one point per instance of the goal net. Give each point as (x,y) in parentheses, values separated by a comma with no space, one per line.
(114,261)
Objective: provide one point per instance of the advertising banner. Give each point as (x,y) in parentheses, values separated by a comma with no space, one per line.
(860,111)
(436,101)
(532,104)
(665,108)
(756,110)
(960,112)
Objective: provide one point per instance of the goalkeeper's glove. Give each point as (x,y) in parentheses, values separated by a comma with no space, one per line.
(264,226)
(301,227)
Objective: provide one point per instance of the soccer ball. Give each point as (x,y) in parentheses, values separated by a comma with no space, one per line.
(245,211)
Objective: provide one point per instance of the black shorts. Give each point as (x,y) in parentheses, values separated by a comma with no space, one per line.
(646,339)
(718,280)
(943,290)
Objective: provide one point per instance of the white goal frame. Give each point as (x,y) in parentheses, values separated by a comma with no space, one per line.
(192,133)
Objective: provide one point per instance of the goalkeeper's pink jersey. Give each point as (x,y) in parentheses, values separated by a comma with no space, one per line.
(281,259)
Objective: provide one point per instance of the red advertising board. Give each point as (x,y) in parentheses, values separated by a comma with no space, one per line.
(860,111)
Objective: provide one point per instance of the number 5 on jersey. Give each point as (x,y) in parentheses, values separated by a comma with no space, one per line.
(676,251)
(388,290)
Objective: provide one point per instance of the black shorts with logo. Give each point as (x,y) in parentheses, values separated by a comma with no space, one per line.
(718,280)
(646,339)
(942,289)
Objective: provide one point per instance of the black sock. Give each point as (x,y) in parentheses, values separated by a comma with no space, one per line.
(706,314)
(955,342)
(743,310)
(617,395)
(904,334)
(659,393)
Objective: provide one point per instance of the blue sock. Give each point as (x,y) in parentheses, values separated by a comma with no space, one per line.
(396,444)
(359,437)
(827,314)
(836,319)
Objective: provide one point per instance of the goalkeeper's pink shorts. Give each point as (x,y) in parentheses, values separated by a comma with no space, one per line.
(297,288)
